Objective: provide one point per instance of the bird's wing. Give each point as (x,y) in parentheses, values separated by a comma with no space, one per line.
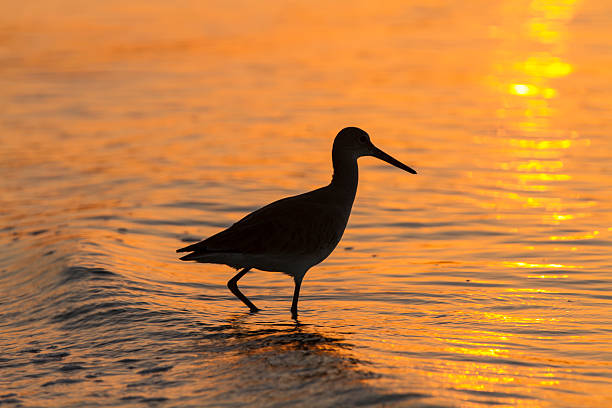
(292,225)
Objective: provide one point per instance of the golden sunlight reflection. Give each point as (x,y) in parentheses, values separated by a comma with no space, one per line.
(537,146)
(523,89)
(537,265)
(574,237)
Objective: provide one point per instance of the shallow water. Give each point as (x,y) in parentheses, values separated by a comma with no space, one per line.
(128,130)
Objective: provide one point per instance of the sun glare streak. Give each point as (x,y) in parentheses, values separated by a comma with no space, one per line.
(545,65)
(575,237)
(533,165)
(561,217)
(535,265)
(527,83)
(523,89)
(540,144)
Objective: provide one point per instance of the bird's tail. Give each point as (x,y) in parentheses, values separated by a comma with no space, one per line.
(191,248)
(191,257)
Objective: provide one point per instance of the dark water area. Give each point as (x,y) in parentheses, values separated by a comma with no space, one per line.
(86,337)
(485,280)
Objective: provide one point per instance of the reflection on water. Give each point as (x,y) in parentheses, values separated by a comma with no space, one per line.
(304,365)
(536,147)
(482,281)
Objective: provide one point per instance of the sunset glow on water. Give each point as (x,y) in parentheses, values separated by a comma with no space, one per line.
(128,130)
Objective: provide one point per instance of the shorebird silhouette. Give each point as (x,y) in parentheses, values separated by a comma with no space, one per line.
(293,234)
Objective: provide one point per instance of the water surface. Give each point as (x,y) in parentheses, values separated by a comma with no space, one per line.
(128,130)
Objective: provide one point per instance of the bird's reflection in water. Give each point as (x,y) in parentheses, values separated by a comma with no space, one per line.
(302,362)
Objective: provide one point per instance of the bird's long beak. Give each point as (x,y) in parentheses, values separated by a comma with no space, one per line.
(376,152)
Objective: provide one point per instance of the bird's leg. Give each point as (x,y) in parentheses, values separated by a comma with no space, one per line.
(232,284)
(296,295)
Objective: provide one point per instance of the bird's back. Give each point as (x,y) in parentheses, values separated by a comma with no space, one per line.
(294,232)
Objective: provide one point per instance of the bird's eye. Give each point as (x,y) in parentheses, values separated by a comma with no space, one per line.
(362,139)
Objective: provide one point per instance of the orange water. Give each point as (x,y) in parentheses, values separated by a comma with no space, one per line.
(128,129)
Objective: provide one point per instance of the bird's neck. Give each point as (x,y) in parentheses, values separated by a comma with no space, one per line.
(346,175)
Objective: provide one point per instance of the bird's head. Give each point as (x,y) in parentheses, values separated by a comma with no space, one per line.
(352,141)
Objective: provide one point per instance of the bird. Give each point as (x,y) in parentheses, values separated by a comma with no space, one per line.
(295,233)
